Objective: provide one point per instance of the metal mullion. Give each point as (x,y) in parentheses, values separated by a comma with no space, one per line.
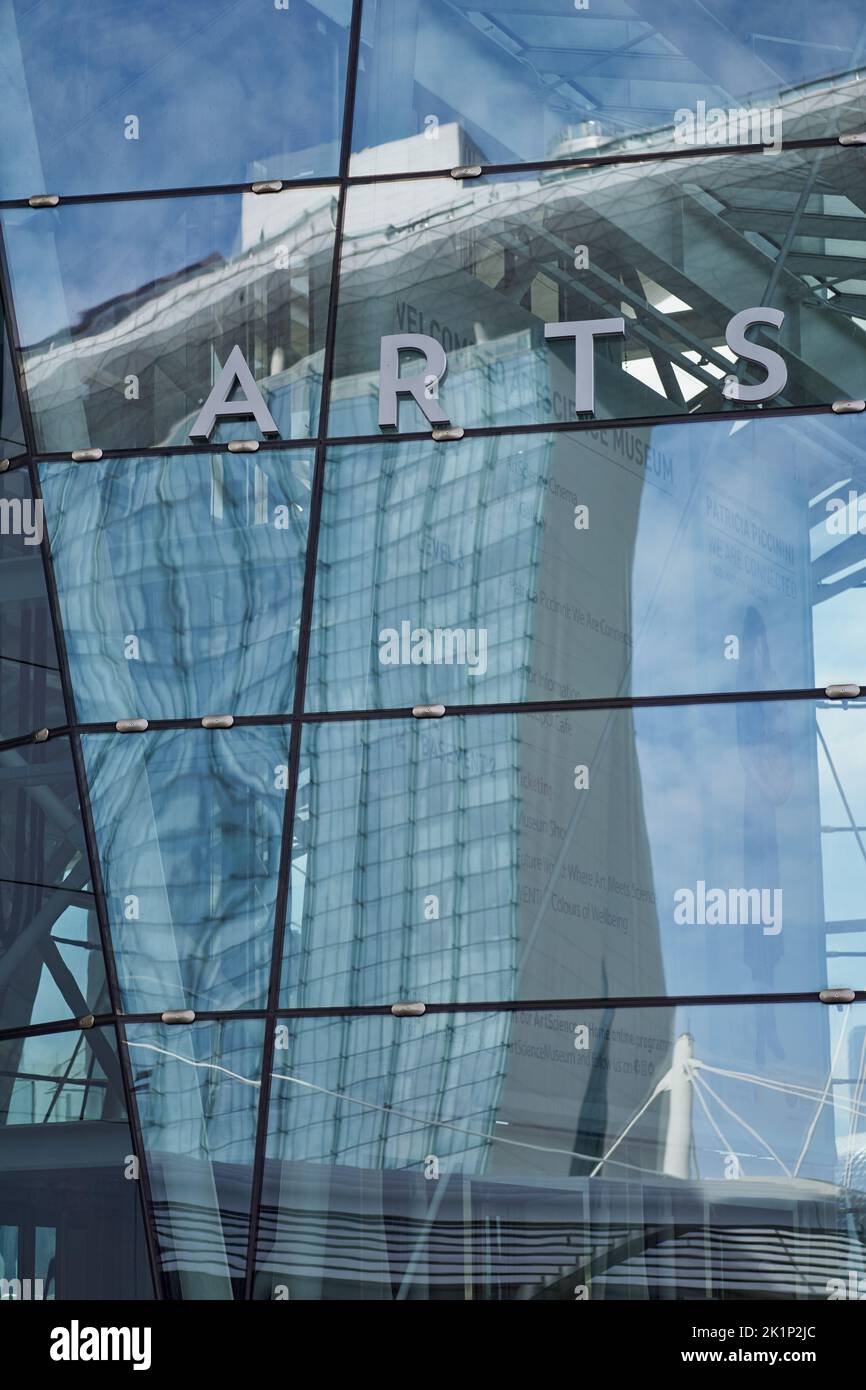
(631,1001)
(358,716)
(465,1006)
(576,426)
(599,161)
(61,1025)
(306,615)
(196,190)
(414,175)
(133,451)
(80,776)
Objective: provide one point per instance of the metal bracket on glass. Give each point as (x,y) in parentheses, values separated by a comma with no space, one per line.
(466,171)
(131,726)
(87,1021)
(856,138)
(837,996)
(847,407)
(842,692)
(44,200)
(267,186)
(408,1010)
(428,711)
(5,465)
(218,721)
(243,446)
(41,736)
(449,432)
(86,455)
(178,1016)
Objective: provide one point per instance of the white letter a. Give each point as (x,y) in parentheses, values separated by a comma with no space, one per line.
(251,405)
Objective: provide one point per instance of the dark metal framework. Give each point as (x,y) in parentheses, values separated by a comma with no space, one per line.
(299,716)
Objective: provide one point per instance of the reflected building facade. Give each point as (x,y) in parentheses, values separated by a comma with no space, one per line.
(343,994)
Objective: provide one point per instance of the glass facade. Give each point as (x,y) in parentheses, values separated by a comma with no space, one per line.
(128,310)
(432,852)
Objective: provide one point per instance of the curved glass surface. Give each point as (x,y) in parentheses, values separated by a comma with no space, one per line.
(675,249)
(128,311)
(180,581)
(104,97)
(70,1215)
(579,855)
(688,558)
(197,1091)
(188,826)
(444,83)
(629,1153)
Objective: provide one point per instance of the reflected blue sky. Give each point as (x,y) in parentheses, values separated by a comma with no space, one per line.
(59,283)
(445,83)
(128,315)
(79,71)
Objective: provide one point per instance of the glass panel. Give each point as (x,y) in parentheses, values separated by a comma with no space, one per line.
(180,581)
(30,694)
(102,98)
(41,837)
(453,82)
(51,964)
(715,556)
(188,825)
(128,311)
(580,855)
(676,249)
(197,1091)
(647,1153)
(68,1199)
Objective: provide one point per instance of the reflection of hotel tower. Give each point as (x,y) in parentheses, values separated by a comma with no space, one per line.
(567,872)
(575,916)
